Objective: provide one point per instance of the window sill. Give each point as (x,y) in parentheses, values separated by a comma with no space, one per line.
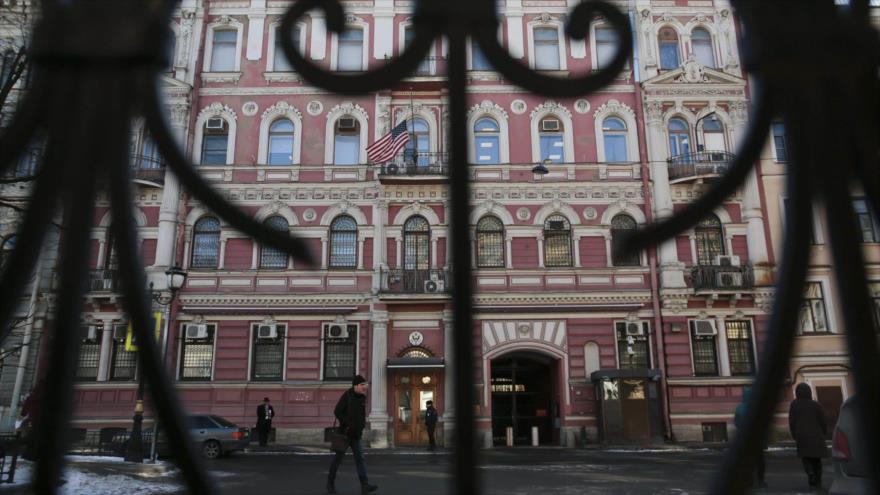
(273,76)
(221,77)
(711,380)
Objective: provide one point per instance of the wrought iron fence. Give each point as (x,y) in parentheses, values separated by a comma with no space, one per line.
(105,280)
(824,86)
(11,447)
(698,164)
(418,164)
(403,281)
(714,277)
(148,168)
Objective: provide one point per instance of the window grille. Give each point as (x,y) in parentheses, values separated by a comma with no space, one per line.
(641,356)
(813,316)
(704,353)
(709,238)
(89,357)
(269,256)
(620,226)
(206,243)
(343,243)
(416,244)
(557,242)
(267,358)
(123,363)
(197,356)
(740,348)
(490,243)
(340,356)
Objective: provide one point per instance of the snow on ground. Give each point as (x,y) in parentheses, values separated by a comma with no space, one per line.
(79,481)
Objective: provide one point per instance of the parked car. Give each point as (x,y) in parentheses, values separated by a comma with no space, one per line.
(849,454)
(215,436)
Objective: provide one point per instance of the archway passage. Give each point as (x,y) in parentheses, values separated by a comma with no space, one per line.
(524,395)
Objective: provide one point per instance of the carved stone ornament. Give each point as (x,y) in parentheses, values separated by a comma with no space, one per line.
(281,108)
(518,107)
(694,72)
(738,111)
(347,108)
(218,108)
(488,107)
(654,111)
(613,106)
(223,20)
(416,338)
(582,106)
(344,206)
(417,206)
(550,106)
(523,213)
(590,213)
(544,17)
(250,108)
(524,329)
(315,108)
(309,214)
(276,207)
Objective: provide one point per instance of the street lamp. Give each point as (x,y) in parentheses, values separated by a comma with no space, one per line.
(175,277)
(697,125)
(541,167)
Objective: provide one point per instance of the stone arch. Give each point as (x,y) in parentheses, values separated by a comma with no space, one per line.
(344,208)
(416,208)
(139,217)
(556,207)
(277,209)
(490,109)
(622,207)
(215,109)
(282,109)
(346,108)
(491,208)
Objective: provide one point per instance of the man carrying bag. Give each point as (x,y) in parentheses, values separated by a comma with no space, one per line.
(351,412)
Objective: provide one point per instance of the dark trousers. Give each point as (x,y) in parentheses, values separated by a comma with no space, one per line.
(813,468)
(263,429)
(431,441)
(358,450)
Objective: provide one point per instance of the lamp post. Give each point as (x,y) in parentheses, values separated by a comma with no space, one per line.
(175,278)
(541,167)
(697,125)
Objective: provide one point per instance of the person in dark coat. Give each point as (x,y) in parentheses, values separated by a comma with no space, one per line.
(351,411)
(806,421)
(739,419)
(431,423)
(265,413)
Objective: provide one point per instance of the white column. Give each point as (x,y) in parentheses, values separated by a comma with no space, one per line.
(254,249)
(399,249)
(608,254)
(434,252)
(514,15)
(255,36)
(360,254)
(383,34)
(540,241)
(102,248)
(380,255)
(324,252)
(577,251)
(449,379)
(378,381)
(723,357)
(106,349)
(221,262)
(508,250)
(318,49)
(167,235)
(671,270)
(185,263)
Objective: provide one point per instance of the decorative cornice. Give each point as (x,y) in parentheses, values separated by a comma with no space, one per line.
(347,107)
(281,108)
(614,106)
(218,108)
(487,106)
(550,106)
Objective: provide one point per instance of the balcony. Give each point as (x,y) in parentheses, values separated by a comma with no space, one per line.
(698,165)
(419,167)
(105,280)
(402,281)
(722,278)
(148,170)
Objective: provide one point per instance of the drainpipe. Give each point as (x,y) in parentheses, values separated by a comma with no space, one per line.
(652,251)
(25,349)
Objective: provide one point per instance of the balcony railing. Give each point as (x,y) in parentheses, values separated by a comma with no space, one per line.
(716,277)
(105,280)
(403,281)
(148,168)
(697,164)
(416,164)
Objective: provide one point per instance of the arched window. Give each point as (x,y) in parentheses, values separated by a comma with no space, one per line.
(343,242)
(347,141)
(149,157)
(281,142)
(215,141)
(417,149)
(620,226)
(7,248)
(206,243)
(416,244)
(486,141)
(701,41)
(709,238)
(669,55)
(713,134)
(351,50)
(614,139)
(550,137)
(546,48)
(223,48)
(490,243)
(557,241)
(606,46)
(679,137)
(271,257)
(416,352)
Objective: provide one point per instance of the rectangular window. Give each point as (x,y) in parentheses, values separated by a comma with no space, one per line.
(340,350)
(280,59)
(347,149)
(267,356)
(223,50)
(813,316)
(740,348)
(486,149)
(123,363)
(351,50)
(780,143)
(214,149)
(703,349)
(89,354)
(867,222)
(552,148)
(546,48)
(633,351)
(197,354)
(606,46)
(478,58)
(615,148)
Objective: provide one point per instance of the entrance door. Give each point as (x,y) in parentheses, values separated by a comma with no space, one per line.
(412,391)
(522,387)
(634,409)
(830,398)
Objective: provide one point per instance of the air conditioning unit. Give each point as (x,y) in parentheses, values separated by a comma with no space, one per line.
(704,328)
(634,329)
(549,125)
(215,124)
(196,331)
(347,124)
(434,286)
(336,330)
(726,260)
(392,169)
(729,280)
(267,332)
(92,333)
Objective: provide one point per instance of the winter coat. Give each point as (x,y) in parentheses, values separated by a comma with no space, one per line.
(351,411)
(261,414)
(431,417)
(739,415)
(806,421)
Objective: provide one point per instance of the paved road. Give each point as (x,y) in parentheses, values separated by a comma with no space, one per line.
(508,472)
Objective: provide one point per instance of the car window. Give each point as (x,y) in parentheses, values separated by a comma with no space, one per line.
(222,422)
(201,422)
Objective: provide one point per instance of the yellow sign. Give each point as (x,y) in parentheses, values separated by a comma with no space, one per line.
(131,339)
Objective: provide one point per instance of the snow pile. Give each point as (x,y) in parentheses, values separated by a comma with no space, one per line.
(82,481)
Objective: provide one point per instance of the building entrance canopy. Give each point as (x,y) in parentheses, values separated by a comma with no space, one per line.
(415,362)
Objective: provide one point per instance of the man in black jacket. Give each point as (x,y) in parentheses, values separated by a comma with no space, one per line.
(265,413)
(351,411)
(806,421)
(431,423)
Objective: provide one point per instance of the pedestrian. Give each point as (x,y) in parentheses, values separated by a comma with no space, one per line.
(739,419)
(29,418)
(806,421)
(351,412)
(265,413)
(431,423)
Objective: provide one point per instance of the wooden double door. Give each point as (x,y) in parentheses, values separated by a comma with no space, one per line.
(412,391)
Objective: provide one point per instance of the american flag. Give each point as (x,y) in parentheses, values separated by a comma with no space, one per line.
(388,145)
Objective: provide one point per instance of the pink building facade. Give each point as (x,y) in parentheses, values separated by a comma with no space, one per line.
(569,339)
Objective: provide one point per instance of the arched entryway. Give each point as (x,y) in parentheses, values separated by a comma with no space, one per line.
(525,394)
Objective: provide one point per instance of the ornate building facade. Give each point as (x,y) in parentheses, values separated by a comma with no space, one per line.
(570,340)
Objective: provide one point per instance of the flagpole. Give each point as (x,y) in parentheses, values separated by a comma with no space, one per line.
(412,128)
